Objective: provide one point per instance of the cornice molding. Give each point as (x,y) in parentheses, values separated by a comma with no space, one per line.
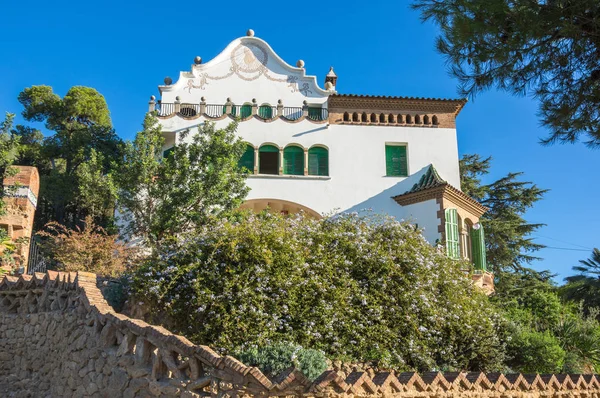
(344,102)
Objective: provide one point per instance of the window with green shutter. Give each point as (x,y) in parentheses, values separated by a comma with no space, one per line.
(478,248)
(265,111)
(293,161)
(245,111)
(318,161)
(268,160)
(396,164)
(246,162)
(233,110)
(452,237)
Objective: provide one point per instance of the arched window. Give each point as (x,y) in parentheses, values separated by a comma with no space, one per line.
(400,119)
(245,111)
(382,118)
(246,162)
(355,117)
(293,161)
(318,161)
(364,117)
(391,118)
(408,119)
(373,118)
(452,237)
(265,111)
(434,120)
(417,119)
(268,159)
(426,119)
(346,117)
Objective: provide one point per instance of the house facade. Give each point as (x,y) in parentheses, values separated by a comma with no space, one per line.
(311,148)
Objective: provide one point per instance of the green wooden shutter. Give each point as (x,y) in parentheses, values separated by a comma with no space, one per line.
(233,110)
(245,111)
(293,161)
(452,237)
(265,111)
(318,162)
(478,248)
(247,159)
(396,161)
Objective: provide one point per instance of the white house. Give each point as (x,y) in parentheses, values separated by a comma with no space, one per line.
(311,148)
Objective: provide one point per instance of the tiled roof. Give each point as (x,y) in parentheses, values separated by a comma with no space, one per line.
(430,179)
(462,100)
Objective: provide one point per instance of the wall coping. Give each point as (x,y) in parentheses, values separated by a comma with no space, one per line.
(165,347)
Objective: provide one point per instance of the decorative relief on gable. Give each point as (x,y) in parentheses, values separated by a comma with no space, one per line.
(248,62)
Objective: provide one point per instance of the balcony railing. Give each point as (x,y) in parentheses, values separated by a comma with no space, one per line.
(266,112)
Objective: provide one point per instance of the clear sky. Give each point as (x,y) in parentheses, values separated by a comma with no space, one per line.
(124,49)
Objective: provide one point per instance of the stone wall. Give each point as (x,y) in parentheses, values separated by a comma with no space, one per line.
(59,338)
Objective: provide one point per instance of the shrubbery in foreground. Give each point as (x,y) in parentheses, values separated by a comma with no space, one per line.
(356,288)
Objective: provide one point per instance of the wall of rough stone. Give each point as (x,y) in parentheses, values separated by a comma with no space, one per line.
(59,338)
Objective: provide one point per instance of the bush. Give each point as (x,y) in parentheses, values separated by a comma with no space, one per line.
(536,352)
(275,358)
(89,249)
(357,288)
(116,293)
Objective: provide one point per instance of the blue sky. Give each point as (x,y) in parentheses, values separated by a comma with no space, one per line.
(124,49)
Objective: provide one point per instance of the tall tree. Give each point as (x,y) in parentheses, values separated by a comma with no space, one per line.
(9,151)
(509,244)
(82,133)
(550,49)
(162,197)
(585,286)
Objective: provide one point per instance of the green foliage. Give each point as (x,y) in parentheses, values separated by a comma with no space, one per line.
(508,242)
(9,149)
(585,285)
(160,198)
(536,352)
(549,49)
(354,287)
(81,153)
(116,293)
(277,357)
(538,322)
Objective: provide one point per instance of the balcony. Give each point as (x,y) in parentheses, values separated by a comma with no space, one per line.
(247,111)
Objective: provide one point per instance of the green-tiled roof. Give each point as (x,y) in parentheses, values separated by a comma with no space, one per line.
(430,179)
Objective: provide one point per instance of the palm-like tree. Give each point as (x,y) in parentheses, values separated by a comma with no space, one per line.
(585,286)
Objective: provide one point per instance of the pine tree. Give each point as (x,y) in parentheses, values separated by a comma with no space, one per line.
(547,49)
(509,244)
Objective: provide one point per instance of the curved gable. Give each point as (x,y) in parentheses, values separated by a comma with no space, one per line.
(246,69)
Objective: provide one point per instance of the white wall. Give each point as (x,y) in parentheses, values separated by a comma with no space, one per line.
(357,171)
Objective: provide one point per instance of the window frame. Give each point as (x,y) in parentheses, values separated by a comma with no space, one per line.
(392,145)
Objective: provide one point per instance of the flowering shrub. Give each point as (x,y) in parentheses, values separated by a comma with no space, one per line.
(357,288)
(274,359)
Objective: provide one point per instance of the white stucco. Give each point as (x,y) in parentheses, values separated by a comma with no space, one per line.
(357,175)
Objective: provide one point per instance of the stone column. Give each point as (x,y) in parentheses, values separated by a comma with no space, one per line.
(305,161)
(280,160)
(255,160)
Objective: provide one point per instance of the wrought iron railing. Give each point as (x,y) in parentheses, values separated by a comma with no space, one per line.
(292,113)
(266,112)
(36,261)
(315,113)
